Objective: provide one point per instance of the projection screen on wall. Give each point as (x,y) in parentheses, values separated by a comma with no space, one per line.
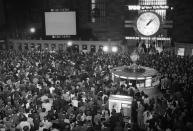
(60,23)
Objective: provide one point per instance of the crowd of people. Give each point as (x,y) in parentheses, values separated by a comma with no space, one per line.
(66,91)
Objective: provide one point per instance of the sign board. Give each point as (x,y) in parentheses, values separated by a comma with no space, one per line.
(119,102)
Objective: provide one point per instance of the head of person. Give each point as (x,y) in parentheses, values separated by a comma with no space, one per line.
(43,109)
(26,128)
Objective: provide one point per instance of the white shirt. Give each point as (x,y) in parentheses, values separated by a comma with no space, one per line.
(47,106)
(37,63)
(88,118)
(39,87)
(26,114)
(47,124)
(146,101)
(51,89)
(84,99)
(44,97)
(83,117)
(27,105)
(75,103)
(2,129)
(66,97)
(92,89)
(30,120)
(54,129)
(103,97)
(35,80)
(41,128)
(66,121)
(147,117)
(72,95)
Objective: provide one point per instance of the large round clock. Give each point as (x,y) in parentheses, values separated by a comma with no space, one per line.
(148,23)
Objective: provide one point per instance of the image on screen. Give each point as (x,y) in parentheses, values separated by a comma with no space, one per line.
(60,23)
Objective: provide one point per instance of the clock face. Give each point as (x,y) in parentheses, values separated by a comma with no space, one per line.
(148,23)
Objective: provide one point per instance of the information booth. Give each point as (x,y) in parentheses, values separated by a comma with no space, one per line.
(147,78)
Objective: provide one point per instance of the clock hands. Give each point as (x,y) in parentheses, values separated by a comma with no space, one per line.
(150,21)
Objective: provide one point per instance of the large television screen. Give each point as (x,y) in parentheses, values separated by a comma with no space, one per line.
(60,23)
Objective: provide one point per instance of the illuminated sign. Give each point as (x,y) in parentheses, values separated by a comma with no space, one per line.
(181,51)
(148,38)
(134,7)
(148,7)
(148,82)
(119,102)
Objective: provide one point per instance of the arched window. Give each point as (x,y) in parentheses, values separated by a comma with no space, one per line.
(46,46)
(26,46)
(61,47)
(53,47)
(93,48)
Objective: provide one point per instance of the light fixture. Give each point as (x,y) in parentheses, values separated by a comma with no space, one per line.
(105,48)
(69,43)
(32,30)
(114,49)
